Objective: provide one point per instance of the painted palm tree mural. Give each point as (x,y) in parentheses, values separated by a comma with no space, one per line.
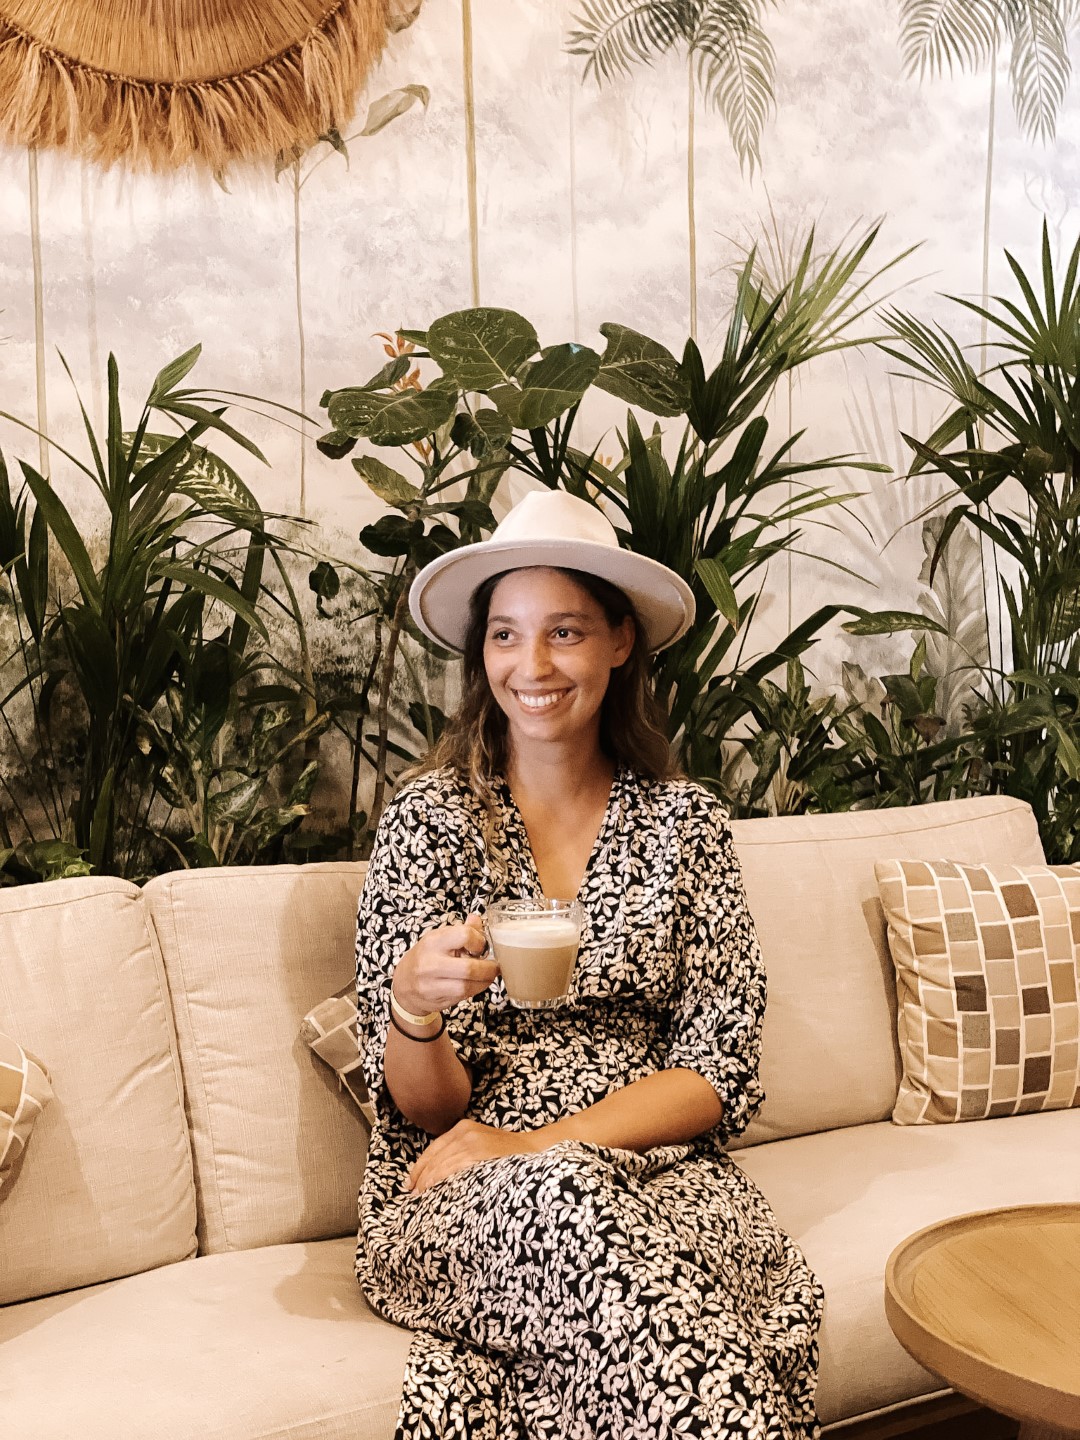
(941,36)
(729,63)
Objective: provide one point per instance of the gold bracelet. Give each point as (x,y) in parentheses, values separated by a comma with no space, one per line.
(407,1015)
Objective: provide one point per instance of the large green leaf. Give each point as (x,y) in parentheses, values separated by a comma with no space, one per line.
(168,378)
(641,372)
(396,419)
(216,589)
(888,622)
(554,383)
(207,479)
(387,484)
(65,532)
(482,347)
(717,582)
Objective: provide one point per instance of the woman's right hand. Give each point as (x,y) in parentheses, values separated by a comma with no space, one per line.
(444,966)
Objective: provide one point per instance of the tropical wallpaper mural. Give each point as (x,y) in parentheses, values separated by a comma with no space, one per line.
(759,268)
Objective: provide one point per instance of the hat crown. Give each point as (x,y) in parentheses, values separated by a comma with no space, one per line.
(555,515)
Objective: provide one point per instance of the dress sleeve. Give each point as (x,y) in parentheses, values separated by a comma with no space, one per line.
(716,1024)
(414,883)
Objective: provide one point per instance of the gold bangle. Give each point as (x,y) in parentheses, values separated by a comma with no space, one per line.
(407,1015)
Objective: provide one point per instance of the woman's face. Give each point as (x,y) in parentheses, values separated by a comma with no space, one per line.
(549,652)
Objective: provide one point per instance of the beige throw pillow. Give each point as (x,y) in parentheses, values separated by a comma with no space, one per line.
(987,969)
(330,1030)
(24,1093)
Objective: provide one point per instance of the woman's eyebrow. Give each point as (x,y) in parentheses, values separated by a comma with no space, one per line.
(548,619)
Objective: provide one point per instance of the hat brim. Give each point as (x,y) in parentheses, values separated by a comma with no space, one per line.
(440,595)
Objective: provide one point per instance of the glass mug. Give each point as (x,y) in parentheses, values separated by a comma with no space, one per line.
(535,945)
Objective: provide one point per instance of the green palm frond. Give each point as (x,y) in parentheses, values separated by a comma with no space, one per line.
(1039,68)
(737,75)
(939,36)
(613,34)
(946,35)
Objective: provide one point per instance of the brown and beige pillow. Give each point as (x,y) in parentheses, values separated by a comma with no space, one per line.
(330,1030)
(24,1093)
(987,969)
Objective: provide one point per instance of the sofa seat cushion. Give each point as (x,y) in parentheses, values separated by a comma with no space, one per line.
(850,1196)
(250,1345)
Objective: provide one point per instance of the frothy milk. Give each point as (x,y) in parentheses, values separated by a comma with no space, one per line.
(536,956)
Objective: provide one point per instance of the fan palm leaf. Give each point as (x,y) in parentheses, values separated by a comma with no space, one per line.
(1039,67)
(727,45)
(939,36)
(614,34)
(737,73)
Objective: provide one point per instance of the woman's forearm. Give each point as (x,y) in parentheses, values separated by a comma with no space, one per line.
(428,1082)
(666,1108)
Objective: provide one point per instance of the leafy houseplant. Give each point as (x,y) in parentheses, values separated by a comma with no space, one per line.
(99,645)
(1010,447)
(499,399)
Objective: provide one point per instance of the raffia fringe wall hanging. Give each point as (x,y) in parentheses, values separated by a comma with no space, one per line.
(163,83)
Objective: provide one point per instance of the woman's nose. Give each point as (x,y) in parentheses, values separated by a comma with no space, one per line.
(536,657)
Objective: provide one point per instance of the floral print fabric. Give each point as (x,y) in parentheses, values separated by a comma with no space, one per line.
(585,1292)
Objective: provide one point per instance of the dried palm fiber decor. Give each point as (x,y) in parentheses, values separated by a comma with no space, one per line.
(161,83)
(988,968)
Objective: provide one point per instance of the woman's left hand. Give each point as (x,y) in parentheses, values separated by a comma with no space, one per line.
(465,1144)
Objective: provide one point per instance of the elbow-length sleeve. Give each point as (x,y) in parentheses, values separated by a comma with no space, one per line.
(415,882)
(716,1024)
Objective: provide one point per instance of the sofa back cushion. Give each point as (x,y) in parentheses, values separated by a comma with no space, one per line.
(249,950)
(829,1049)
(105,1187)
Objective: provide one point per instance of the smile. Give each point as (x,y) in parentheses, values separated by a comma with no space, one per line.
(540,700)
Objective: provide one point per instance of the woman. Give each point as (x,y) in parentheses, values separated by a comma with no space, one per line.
(547,1200)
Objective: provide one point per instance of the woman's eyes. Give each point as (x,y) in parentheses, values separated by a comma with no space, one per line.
(563,632)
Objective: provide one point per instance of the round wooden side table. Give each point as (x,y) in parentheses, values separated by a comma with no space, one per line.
(991,1303)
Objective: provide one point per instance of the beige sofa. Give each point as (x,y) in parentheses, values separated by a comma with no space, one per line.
(176,1251)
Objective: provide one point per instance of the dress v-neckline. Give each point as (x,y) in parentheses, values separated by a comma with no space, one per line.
(611,809)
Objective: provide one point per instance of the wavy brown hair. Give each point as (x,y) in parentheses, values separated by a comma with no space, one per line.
(632,721)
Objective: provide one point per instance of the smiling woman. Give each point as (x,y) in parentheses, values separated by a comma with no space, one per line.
(547,1200)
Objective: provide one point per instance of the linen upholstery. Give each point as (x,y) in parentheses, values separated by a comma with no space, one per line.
(275,1343)
(24,1093)
(987,967)
(850,1196)
(249,950)
(829,1048)
(106,1189)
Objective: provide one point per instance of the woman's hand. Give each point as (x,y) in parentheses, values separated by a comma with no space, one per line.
(467,1143)
(443,967)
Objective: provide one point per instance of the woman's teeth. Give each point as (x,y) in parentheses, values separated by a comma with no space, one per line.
(539,702)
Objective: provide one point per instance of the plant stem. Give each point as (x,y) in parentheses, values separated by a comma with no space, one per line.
(691,221)
(470,146)
(39,315)
(358,751)
(385,682)
(573,210)
(300,334)
(988,195)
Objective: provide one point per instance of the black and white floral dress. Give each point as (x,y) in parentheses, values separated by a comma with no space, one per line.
(584,1291)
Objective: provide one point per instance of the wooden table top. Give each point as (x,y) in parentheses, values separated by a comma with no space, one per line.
(991,1303)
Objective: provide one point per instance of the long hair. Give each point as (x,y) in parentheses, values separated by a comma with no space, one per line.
(632,721)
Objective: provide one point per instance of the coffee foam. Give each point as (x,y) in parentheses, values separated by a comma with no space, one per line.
(536,934)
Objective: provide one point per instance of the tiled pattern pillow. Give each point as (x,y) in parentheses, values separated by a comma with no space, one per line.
(987,967)
(24,1093)
(330,1030)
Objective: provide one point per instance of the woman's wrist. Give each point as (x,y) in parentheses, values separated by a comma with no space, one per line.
(419,1019)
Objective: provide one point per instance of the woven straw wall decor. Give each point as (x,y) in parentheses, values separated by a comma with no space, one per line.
(163,83)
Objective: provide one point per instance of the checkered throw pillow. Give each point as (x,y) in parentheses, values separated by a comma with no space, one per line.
(330,1030)
(988,972)
(24,1093)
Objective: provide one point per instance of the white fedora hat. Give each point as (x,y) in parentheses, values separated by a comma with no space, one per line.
(550,527)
